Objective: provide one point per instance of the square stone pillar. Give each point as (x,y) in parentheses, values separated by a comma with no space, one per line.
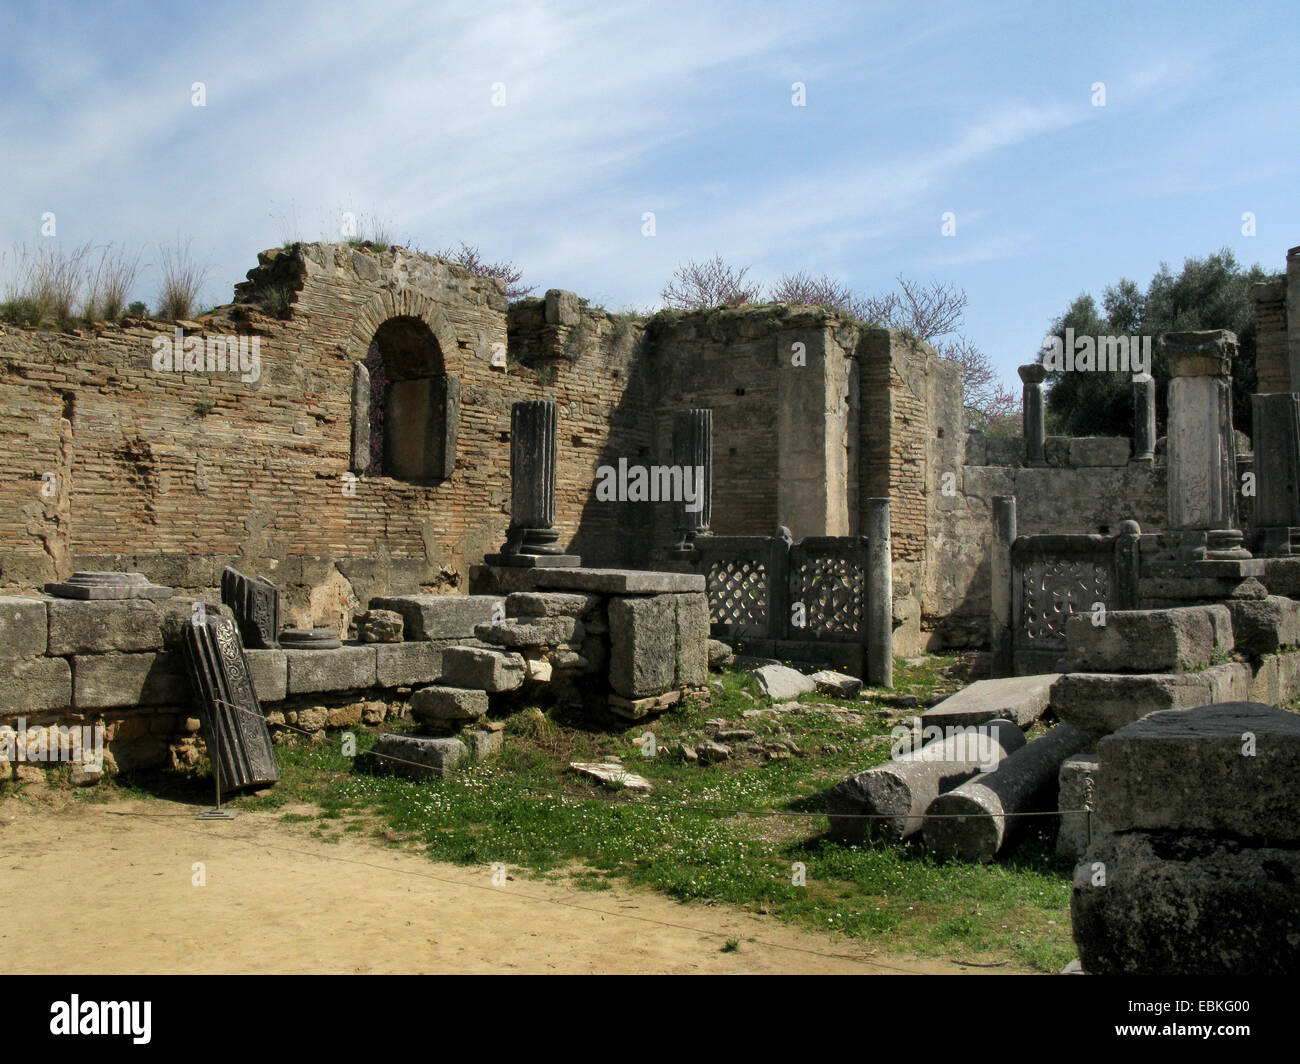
(1202,445)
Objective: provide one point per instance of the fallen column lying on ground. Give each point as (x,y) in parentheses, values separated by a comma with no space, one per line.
(887,803)
(971,823)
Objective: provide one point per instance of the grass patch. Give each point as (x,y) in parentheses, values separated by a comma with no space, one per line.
(702,835)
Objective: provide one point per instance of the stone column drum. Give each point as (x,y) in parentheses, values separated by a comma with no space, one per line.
(971,822)
(693,451)
(887,803)
(532,479)
(1033,376)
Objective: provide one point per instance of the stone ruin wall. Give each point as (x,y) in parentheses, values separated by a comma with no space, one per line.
(176,474)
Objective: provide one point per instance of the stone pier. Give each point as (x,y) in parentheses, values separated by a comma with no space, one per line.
(1202,480)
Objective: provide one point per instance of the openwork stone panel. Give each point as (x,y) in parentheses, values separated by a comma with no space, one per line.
(737,591)
(1052,589)
(831,583)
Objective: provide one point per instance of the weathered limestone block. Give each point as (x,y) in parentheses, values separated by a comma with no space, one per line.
(1263,626)
(613,775)
(531,632)
(269,671)
(562,307)
(1176,640)
(441,616)
(837,683)
(1186,905)
(782,683)
(449,704)
(1277,679)
(347,668)
(901,790)
(1228,768)
(618,581)
(415,757)
(1100,703)
(1076,787)
(720,654)
(643,645)
(486,670)
(1020,698)
(344,716)
(102,626)
(404,664)
(35,684)
(483,743)
(380,626)
(24,627)
(635,709)
(101,681)
(971,822)
(1099,451)
(692,639)
(550,604)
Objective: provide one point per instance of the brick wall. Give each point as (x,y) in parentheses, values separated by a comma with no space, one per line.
(190,463)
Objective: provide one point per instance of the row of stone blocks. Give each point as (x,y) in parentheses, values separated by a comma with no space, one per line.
(1196,867)
(1144,661)
(453,711)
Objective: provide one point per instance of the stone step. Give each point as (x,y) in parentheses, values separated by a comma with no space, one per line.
(441,616)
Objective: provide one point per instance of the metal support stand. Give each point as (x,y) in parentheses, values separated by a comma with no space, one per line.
(217,813)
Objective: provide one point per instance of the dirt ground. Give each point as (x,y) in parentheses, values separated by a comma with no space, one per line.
(108,888)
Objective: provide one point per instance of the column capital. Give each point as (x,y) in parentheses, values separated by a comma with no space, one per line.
(1203,353)
(1033,373)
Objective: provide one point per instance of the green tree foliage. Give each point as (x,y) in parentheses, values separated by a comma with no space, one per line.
(1208,293)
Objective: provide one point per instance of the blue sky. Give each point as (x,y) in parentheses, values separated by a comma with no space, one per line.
(683,109)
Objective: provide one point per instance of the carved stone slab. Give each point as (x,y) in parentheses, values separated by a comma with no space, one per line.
(256,604)
(238,740)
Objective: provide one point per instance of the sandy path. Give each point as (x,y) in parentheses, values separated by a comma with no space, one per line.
(107,889)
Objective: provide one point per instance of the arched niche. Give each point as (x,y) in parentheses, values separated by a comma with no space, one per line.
(410,404)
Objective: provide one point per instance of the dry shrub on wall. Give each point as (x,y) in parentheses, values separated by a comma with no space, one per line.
(182,280)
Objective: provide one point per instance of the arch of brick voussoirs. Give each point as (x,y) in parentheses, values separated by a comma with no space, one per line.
(402,304)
